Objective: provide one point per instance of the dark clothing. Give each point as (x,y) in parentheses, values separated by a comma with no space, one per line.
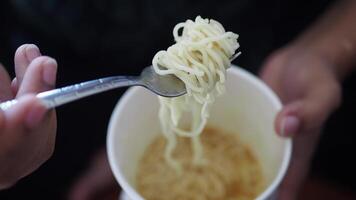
(96,38)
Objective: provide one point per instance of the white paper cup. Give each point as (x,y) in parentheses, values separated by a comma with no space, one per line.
(248,108)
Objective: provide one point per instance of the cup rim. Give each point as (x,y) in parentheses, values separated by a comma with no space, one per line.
(237,71)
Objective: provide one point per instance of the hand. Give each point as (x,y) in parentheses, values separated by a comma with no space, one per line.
(310,92)
(97,182)
(27,130)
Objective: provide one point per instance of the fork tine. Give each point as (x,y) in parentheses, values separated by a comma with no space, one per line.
(235,56)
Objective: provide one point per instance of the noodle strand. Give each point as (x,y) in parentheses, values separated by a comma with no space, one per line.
(199,58)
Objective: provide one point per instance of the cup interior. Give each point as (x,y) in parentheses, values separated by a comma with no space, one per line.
(248,108)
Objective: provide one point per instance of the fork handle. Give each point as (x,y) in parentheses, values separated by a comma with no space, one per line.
(60,96)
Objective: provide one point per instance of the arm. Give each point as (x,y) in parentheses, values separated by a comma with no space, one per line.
(306,74)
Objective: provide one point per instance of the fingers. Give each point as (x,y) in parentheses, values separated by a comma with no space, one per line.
(5,90)
(23,137)
(288,120)
(14,86)
(308,113)
(296,118)
(40,76)
(27,114)
(23,57)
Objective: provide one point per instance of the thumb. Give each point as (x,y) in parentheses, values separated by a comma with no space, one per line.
(305,115)
(288,121)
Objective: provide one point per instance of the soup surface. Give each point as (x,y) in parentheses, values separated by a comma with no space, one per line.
(230,170)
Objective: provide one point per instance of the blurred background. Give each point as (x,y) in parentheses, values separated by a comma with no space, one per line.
(92,39)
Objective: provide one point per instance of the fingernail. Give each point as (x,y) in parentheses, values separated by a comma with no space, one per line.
(290,126)
(32,52)
(35,116)
(14,85)
(50,72)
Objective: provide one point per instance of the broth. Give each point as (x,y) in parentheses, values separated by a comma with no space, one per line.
(230,170)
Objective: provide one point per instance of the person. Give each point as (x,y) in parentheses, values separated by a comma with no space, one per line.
(306,74)
(27,130)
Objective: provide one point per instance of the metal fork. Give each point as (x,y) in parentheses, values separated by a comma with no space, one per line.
(167,86)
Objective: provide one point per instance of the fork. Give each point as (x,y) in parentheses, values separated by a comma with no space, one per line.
(166,86)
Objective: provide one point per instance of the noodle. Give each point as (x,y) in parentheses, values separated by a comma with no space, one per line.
(199,58)
(195,166)
(232,172)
